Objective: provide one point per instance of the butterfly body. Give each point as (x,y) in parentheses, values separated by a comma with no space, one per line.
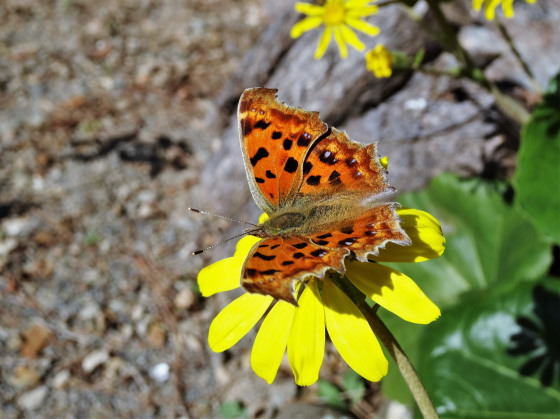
(323,194)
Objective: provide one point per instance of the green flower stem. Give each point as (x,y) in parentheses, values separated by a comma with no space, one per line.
(451,42)
(449,39)
(386,337)
(509,40)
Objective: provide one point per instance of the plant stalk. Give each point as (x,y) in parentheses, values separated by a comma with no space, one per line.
(386,337)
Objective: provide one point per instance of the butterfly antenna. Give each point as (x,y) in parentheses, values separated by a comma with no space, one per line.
(198,252)
(221,216)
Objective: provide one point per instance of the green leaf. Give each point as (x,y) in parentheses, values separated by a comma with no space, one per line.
(233,410)
(472,357)
(490,248)
(330,394)
(489,244)
(354,385)
(537,179)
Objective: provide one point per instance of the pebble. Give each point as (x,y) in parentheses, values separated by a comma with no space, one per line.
(33,399)
(94,359)
(184,299)
(160,372)
(36,338)
(23,378)
(15,226)
(60,379)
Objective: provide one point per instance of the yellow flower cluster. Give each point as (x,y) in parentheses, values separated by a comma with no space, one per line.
(491,5)
(339,17)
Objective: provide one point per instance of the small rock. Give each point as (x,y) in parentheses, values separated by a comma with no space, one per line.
(6,246)
(16,226)
(23,378)
(33,399)
(94,359)
(35,339)
(160,372)
(157,335)
(113,367)
(60,379)
(14,343)
(184,299)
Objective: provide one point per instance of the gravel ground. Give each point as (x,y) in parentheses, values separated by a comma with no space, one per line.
(103,127)
(108,112)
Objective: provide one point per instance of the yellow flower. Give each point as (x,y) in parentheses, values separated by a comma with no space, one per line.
(339,17)
(379,61)
(490,7)
(322,305)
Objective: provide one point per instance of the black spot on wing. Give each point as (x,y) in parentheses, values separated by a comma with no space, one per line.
(287,144)
(260,154)
(347,230)
(298,255)
(307,166)
(328,157)
(261,124)
(259,180)
(348,242)
(245,127)
(300,246)
(304,140)
(264,257)
(276,135)
(319,253)
(291,165)
(324,236)
(269,272)
(313,180)
(334,178)
(287,263)
(270,175)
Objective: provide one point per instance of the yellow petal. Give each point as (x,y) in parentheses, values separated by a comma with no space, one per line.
(384,162)
(340,42)
(236,319)
(425,233)
(309,9)
(350,37)
(270,343)
(351,334)
(263,217)
(362,11)
(306,344)
(305,25)
(394,291)
(225,274)
(363,26)
(323,43)
(353,4)
(507,7)
(490,8)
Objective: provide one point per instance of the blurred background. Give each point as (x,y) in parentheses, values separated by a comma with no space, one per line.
(116,116)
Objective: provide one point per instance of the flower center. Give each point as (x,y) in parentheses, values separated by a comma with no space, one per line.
(335,12)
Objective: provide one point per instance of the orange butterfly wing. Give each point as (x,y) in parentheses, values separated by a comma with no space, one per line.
(275,263)
(275,139)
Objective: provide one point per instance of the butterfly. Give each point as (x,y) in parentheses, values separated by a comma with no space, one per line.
(323,193)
